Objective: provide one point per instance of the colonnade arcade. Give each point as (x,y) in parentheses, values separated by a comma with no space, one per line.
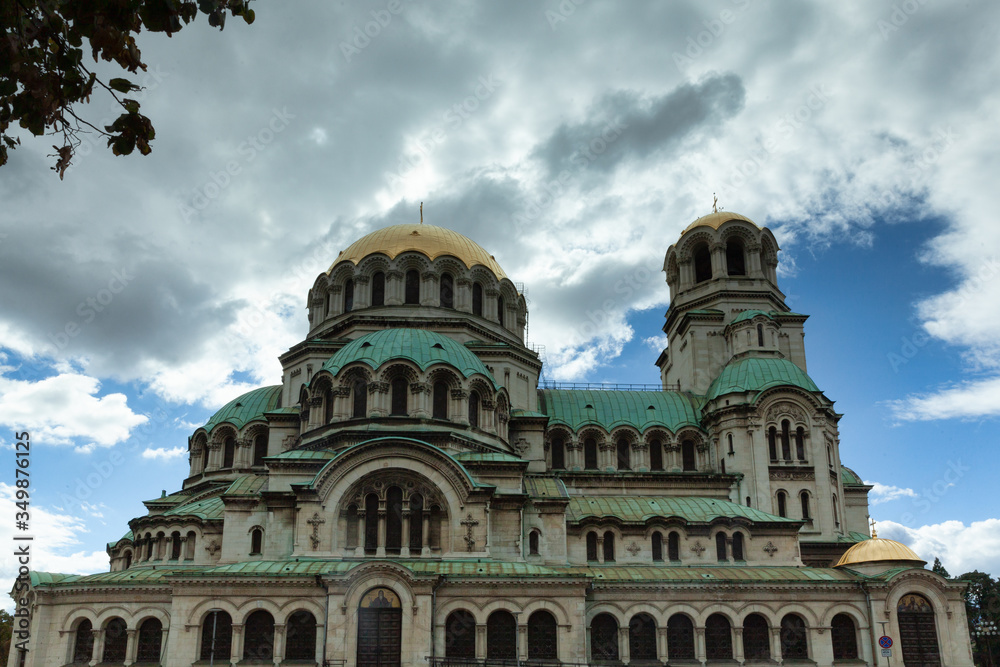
(626,450)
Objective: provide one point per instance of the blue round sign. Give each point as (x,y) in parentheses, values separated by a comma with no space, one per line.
(885,642)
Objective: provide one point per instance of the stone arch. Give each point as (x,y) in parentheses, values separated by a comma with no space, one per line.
(294,605)
(353,372)
(444,373)
(76,616)
(109,613)
(859,617)
(718,608)
(615,609)
(201,610)
(412,260)
(501,604)
(449,264)
(341,274)
(459,604)
(251,605)
(144,613)
(372,264)
(693,239)
(398,368)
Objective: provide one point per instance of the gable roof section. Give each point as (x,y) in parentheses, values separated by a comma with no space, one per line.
(639,409)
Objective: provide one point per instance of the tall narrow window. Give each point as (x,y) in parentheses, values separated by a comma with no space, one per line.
(477,299)
(229,452)
(674,546)
(447,291)
(738,547)
(300,637)
(360,408)
(260,442)
(378,289)
(115,641)
(149,641)
(348,296)
(844,637)
(657,547)
(398,388)
(591,546)
(656,455)
(460,635)
(735,262)
(782,510)
(542,636)
(256,541)
(416,523)
(393,520)
(609,547)
(501,311)
(642,638)
(772,443)
(804,498)
(702,263)
(533,543)
(729,441)
(760,335)
(175,545)
(501,636)
(756,638)
(604,637)
(720,547)
(371,523)
(258,636)
(687,454)
(473,409)
(440,400)
(623,455)
(216,637)
(836,516)
(680,637)
(718,638)
(353,523)
(800,443)
(411,287)
(558,454)
(83,643)
(794,645)
(786,448)
(590,454)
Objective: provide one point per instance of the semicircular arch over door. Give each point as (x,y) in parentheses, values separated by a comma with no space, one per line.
(918,640)
(380,629)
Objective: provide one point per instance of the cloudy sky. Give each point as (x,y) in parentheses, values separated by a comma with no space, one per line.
(573,140)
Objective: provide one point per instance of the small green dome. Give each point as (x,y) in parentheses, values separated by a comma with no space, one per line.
(750,314)
(250,406)
(424,348)
(757,374)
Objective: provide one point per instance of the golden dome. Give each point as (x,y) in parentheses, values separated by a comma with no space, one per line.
(427,239)
(878,549)
(715,220)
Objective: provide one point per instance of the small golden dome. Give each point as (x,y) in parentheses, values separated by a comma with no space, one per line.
(715,220)
(427,239)
(878,549)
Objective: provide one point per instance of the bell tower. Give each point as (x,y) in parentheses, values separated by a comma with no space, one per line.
(724,301)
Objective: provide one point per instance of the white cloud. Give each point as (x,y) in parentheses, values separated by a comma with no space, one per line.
(974,399)
(961,548)
(163,453)
(883,493)
(66,409)
(656,343)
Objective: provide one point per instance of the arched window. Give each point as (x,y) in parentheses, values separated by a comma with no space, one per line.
(353,523)
(786,449)
(189,543)
(473,409)
(501,311)
(440,401)
(258,636)
(115,641)
(623,455)
(687,454)
(793,638)
(216,637)
(128,559)
(657,547)
(434,530)
(460,635)
(804,497)
(735,260)
(917,631)
(656,455)
(591,546)
(447,291)
(229,452)
(175,545)
(718,638)
(150,641)
(83,643)
(729,440)
(477,299)
(800,443)
(760,335)
(378,289)
(300,636)
(844,638)
(772,443)
(260,442)
(360,390)
(411,289)
(756,638)
(348,296)
(674,546)
(371,523)
(609,547)
(533,543)
(558,454)
(604,637)
(416,523)
(836,514)
(393,520)
(542,636)
(642,637)
(702,263)
(501,636)
(590,454)
(256,541)
(720,547)
(738,546)
(398,388)
(748,501)
(680,638)
(782,510)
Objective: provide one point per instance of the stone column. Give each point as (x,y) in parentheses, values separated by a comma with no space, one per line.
(393,293)
(490,304)
(480,641)
(460,406)
(574,451)
(640,455)
(426,549)
(600,547)
(362,292)
(420,391)
(753,260)
(463,295)
(236,651)
(168,540)
(719,260)
(380,551)
(623,647)
(429,294)
(699,644)
(661,644)
(130,646)
(522,641)
(776,645)
(98,649)
(686,277)
(315,411)
(738,644)
(336,306)
(362,532)
(279,643)
(404,549)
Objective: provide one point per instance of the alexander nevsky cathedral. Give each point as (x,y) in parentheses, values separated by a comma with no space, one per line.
(411,495)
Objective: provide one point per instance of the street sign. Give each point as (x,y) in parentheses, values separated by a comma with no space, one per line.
(887,653)
(885,642)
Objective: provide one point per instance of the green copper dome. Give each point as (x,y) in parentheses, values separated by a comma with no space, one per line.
(244,409)
(424,348)
(757,374)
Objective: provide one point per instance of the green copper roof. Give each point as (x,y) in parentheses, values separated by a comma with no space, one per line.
(639,509)
(246,408)
(246,485)
(545,487)
(208,508)
(424,348)
(487,457)
(301,454)
(757,374)
(750,314)
(849,477)
(127,536)
(676,574)
(640,409)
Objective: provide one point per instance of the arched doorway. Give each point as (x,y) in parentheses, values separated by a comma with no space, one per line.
(917,632)
(380,624)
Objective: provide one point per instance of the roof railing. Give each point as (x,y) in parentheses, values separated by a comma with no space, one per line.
(608,386)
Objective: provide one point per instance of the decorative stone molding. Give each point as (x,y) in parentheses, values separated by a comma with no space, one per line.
(785,409)
(792,475)
(521,446)
(770,549)
(698,548)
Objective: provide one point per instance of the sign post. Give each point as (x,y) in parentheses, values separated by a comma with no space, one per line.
(885,641)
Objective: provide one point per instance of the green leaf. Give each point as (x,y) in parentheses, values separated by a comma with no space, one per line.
(130,105)
(122,85)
